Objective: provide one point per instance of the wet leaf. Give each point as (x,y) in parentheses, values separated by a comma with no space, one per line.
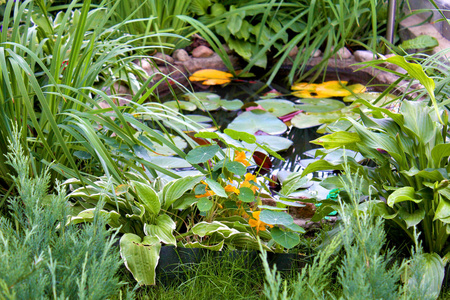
(184,105)
(276,218)
(286,239)
(278,107)
(202,154)
(320,105)
(211,77)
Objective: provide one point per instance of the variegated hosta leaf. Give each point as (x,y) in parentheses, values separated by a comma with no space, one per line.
(163,229)
(177,188)
(140,256)
(147,196)
(88,216)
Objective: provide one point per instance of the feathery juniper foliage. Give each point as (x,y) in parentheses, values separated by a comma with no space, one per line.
(39,256)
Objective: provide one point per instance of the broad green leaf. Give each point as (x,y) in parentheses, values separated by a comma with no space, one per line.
(439,152)
(286,239)
(337,139)
(432,174)
(296,228)
(420,42)
(429,279)
(87,215)
(140,257)
(202,154)
(443,210)
(381,209)
(268,207)
(217,247)
(204,228)
(258,120)
(184,202)
(207,135)
(278,107)
(177,188)
(276,143)
(371,97)
(276,218)
(411,219)
(309,120)
(184,105)
(216,187)
(240,135)
(236,167)
(147,196)
(418,120)
(292,183)
(204,204)
(402,194)
(246,195)
(163,230)
(231,104)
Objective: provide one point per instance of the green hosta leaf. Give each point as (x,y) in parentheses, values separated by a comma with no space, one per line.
(420,42)
(443,210)
(439,152)
(147,196)
(286,239)
(432,174)
(411,219)
(216,188)
(177,188)
(292,183)
(418,120)
(202,154)
(236,167)
(163,229)
(140,257)
(240,135)
(217,247)
(276,218)
(430,277)
(337,139)
(87,215)
(204,204)
(246,195)
(402,194)
(204,228)
(255,120)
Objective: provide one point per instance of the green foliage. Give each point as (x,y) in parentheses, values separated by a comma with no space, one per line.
(40,257)
(366,269)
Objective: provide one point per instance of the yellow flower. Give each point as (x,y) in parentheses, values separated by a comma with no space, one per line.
(257,223)
(246,183)
(240,157)
(249,177)
(208,192)
(232,189)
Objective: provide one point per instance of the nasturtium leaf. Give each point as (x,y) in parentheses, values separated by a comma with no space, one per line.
(82,154)
(184,105)
(286,239)
(211,76)
(200,189)
(204,204)
(257,120)
(216,187)
(246,195)
(231,104)
(296,228)
(236,167)
(240,135)
(406,193)
(278,107)
(320,105)
(276,218)
(202,154)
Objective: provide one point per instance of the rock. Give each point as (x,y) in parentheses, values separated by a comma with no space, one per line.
(212,62)
(181,55)
(305,212)
(227,49)
(122,95)
(202,52)
(316,52)
(162,59)
(343,53)
(364,55)
(293,51)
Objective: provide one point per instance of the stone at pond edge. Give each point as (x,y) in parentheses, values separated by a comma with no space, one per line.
(343,53)
(162,59)
(364,55)
(294,51)
(202,52)
(181,55)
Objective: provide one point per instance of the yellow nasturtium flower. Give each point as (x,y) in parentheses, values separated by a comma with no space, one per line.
(257,223)
(240,157)
(232,189)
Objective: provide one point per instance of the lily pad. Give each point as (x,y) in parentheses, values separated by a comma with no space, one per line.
(320,105)
(184,105)
(276,143)
(204,101)
(252,121)
(231,104)
(278,107)
(303,120)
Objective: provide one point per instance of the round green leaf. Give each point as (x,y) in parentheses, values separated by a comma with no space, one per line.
(202,154)
(276,217)
(216,187)
(278,107)
(240,135)
(254,120)
(303,120)
(275,143)
(204,204)
(231,104)
(236,167)
(320,105)
(286,239)
(246,195)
